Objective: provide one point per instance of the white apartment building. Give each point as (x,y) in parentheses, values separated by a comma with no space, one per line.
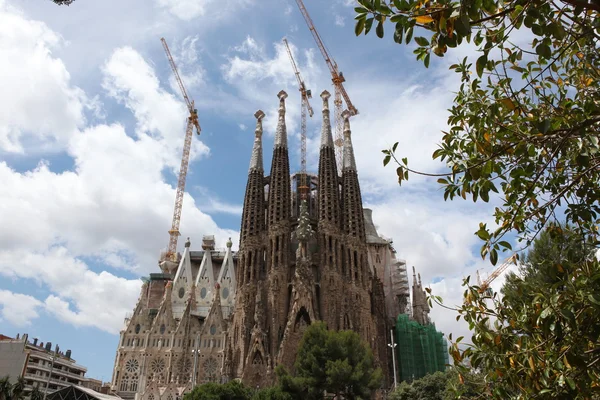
(40,365)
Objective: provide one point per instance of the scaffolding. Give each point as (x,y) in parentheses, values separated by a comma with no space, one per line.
(421,350)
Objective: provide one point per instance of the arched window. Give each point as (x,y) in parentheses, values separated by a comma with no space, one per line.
(134,383)
(124,383)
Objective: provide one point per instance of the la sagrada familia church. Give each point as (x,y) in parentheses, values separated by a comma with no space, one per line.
(304,255)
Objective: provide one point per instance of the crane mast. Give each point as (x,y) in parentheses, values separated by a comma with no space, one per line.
(305,94)
(192,121)
(338,79)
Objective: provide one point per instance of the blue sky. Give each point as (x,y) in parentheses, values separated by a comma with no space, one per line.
(92,126)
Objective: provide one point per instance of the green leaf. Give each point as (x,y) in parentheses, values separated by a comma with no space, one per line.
(394,147)
(505,245)
(543,126)
(484,194)
(493,256)
(426,60)
(594,299)
(483,234)
(544,51)
(368,25)
(398,33)
(386,160)
(480,64)
(360,26)
(360,10)
(462,25)
(421,41)
(409,34)
(379,29)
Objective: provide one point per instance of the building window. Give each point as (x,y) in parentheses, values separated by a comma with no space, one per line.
(124,383)
(134,383)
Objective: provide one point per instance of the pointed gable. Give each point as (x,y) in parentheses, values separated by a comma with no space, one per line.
(227,282)
(205,282)
(182,283)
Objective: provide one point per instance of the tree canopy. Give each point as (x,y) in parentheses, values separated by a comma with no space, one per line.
(232,390)
(335,362)
(440,386)
(526,117)
(543,344)
(332,363)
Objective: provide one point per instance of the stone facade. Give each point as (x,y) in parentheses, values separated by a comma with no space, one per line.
(215,316)
(176,335)
(291,273)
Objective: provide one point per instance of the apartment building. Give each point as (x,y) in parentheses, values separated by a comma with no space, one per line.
(41,365)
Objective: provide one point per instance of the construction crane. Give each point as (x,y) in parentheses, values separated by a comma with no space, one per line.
(305,94)
(338,79)
(192,121)
(485,285)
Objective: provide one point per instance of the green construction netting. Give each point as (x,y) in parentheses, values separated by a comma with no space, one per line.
(420,350)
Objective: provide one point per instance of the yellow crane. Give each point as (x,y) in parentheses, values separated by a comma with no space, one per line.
(192,121)
(339,91)
(485,285)
(305,94)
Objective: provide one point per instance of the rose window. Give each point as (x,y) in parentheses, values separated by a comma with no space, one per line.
(184,365)
(157,365)
(132,365)
(210,366)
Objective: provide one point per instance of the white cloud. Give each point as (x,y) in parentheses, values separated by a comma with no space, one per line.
(113,209)
(243,127)
(188,10)
(185,9)
(99,299)
(18,309)
(339,20)
(34,83)
(130,80)
(258,75)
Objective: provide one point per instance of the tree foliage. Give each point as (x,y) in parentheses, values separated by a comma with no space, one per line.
(232,390)
(335,362)
(526,117)
(63,2)
(555,246)
(12,391)
(36,394)
(542,345)
(440,386)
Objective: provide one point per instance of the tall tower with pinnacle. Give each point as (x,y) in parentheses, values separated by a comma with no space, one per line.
(294,270)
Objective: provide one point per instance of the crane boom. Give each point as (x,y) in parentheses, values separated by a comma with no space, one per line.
(305,108)
(301,86)
(339,91)
(192,121)
(496,273)
(188,102)
(336,75)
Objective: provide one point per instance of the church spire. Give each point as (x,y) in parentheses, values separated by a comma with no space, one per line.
(281,133)
(348,162)
(253,214)
(279,231)
(256,161)
(328,201)
(279,186)
(326,138)
(352,216)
